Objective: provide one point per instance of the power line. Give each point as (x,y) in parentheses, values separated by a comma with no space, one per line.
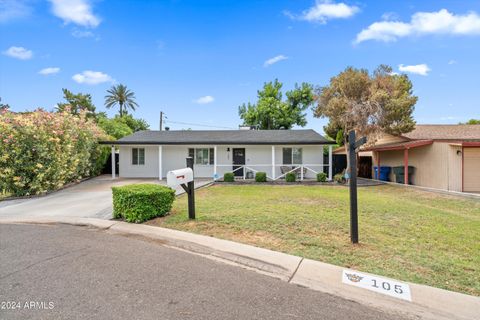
(197,124)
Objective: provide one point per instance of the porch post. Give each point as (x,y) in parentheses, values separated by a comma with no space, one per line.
(160,164)
(113,162)
(273,162)
(378,166)
(214,163)
(405,164)
(330,164)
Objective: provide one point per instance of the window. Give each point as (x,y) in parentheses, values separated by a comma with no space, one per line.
(292,156)
(138,156)
(202,156)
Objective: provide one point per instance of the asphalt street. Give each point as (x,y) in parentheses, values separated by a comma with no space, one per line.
(67,272)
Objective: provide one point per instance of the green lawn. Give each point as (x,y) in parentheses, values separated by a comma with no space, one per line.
(404,234)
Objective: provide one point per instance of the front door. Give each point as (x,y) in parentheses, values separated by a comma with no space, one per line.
(238,160)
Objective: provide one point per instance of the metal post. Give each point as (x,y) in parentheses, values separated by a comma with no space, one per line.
(215,163)
(160,164)
(273,162)
(190,191)
(113,162)
(353,188)
(330,163)
(405,166)
(161,120)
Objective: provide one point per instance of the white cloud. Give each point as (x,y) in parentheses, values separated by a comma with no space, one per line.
(325,10)
(13,9)
(274,60)
(18,53)
(423,23)
(421,69)
(75,11)
(204,100)
(50,70)
(92,77)
(452,62)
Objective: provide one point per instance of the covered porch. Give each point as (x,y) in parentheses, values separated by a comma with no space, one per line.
(213,161)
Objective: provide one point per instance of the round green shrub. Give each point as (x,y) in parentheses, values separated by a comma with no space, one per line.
(291,177)
(141,202)
(261,177)
(321,177)
(229,177)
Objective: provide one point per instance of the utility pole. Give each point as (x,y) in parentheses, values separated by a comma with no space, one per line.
(161,120)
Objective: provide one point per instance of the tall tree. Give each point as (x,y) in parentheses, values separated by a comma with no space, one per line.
(76,103)
(270,112)
(367,103)
(121,96)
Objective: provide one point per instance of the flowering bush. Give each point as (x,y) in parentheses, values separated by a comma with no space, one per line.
(42,151)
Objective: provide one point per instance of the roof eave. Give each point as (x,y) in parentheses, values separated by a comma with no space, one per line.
(216,143)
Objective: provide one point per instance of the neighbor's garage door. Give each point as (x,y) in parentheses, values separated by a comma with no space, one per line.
(471,169)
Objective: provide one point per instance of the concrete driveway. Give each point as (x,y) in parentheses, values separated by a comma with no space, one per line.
(90,199)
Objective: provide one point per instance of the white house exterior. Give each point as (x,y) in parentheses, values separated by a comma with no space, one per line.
(151,154)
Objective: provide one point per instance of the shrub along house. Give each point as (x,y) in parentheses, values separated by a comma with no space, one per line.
(215,152)
(442,156)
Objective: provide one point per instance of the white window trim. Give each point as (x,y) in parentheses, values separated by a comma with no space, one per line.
(291,155)
(195,156)
(138,157)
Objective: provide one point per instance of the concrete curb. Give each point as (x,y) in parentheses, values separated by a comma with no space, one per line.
(427,302)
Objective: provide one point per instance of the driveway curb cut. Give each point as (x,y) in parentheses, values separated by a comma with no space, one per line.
(427,302)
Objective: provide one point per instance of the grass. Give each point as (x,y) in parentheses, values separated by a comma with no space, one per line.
(405,234)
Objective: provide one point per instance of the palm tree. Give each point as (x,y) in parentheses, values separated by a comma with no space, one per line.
(120,95)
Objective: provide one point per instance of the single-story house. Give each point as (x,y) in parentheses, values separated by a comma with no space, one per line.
(153,153)
(443,156)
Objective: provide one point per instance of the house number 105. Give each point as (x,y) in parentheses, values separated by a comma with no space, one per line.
(386,286)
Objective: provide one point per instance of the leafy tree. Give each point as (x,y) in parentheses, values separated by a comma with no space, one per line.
(119,127)
(367,103)
(134,124)
(270,112)
(472,121)
(121,96)
(77,103)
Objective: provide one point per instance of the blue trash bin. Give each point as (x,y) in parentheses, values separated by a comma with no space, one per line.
(384,173)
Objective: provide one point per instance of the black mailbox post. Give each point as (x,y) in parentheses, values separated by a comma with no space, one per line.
(353,147)
(190,190)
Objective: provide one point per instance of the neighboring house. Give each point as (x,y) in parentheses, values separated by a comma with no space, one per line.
(153,153)
(443,156)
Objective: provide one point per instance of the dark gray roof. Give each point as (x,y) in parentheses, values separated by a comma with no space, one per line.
(225,137)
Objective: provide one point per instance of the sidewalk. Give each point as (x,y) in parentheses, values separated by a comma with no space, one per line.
(427,302)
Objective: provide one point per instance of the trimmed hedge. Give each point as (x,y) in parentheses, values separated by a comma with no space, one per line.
(291,177)
(321,177)
(229,177)
(141,202)
(261,177)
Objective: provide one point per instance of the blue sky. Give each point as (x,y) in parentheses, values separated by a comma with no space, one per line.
(199,60)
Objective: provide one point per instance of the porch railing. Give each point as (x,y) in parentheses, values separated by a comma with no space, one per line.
(294,168)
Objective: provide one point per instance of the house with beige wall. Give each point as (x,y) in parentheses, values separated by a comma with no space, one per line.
(443,156)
